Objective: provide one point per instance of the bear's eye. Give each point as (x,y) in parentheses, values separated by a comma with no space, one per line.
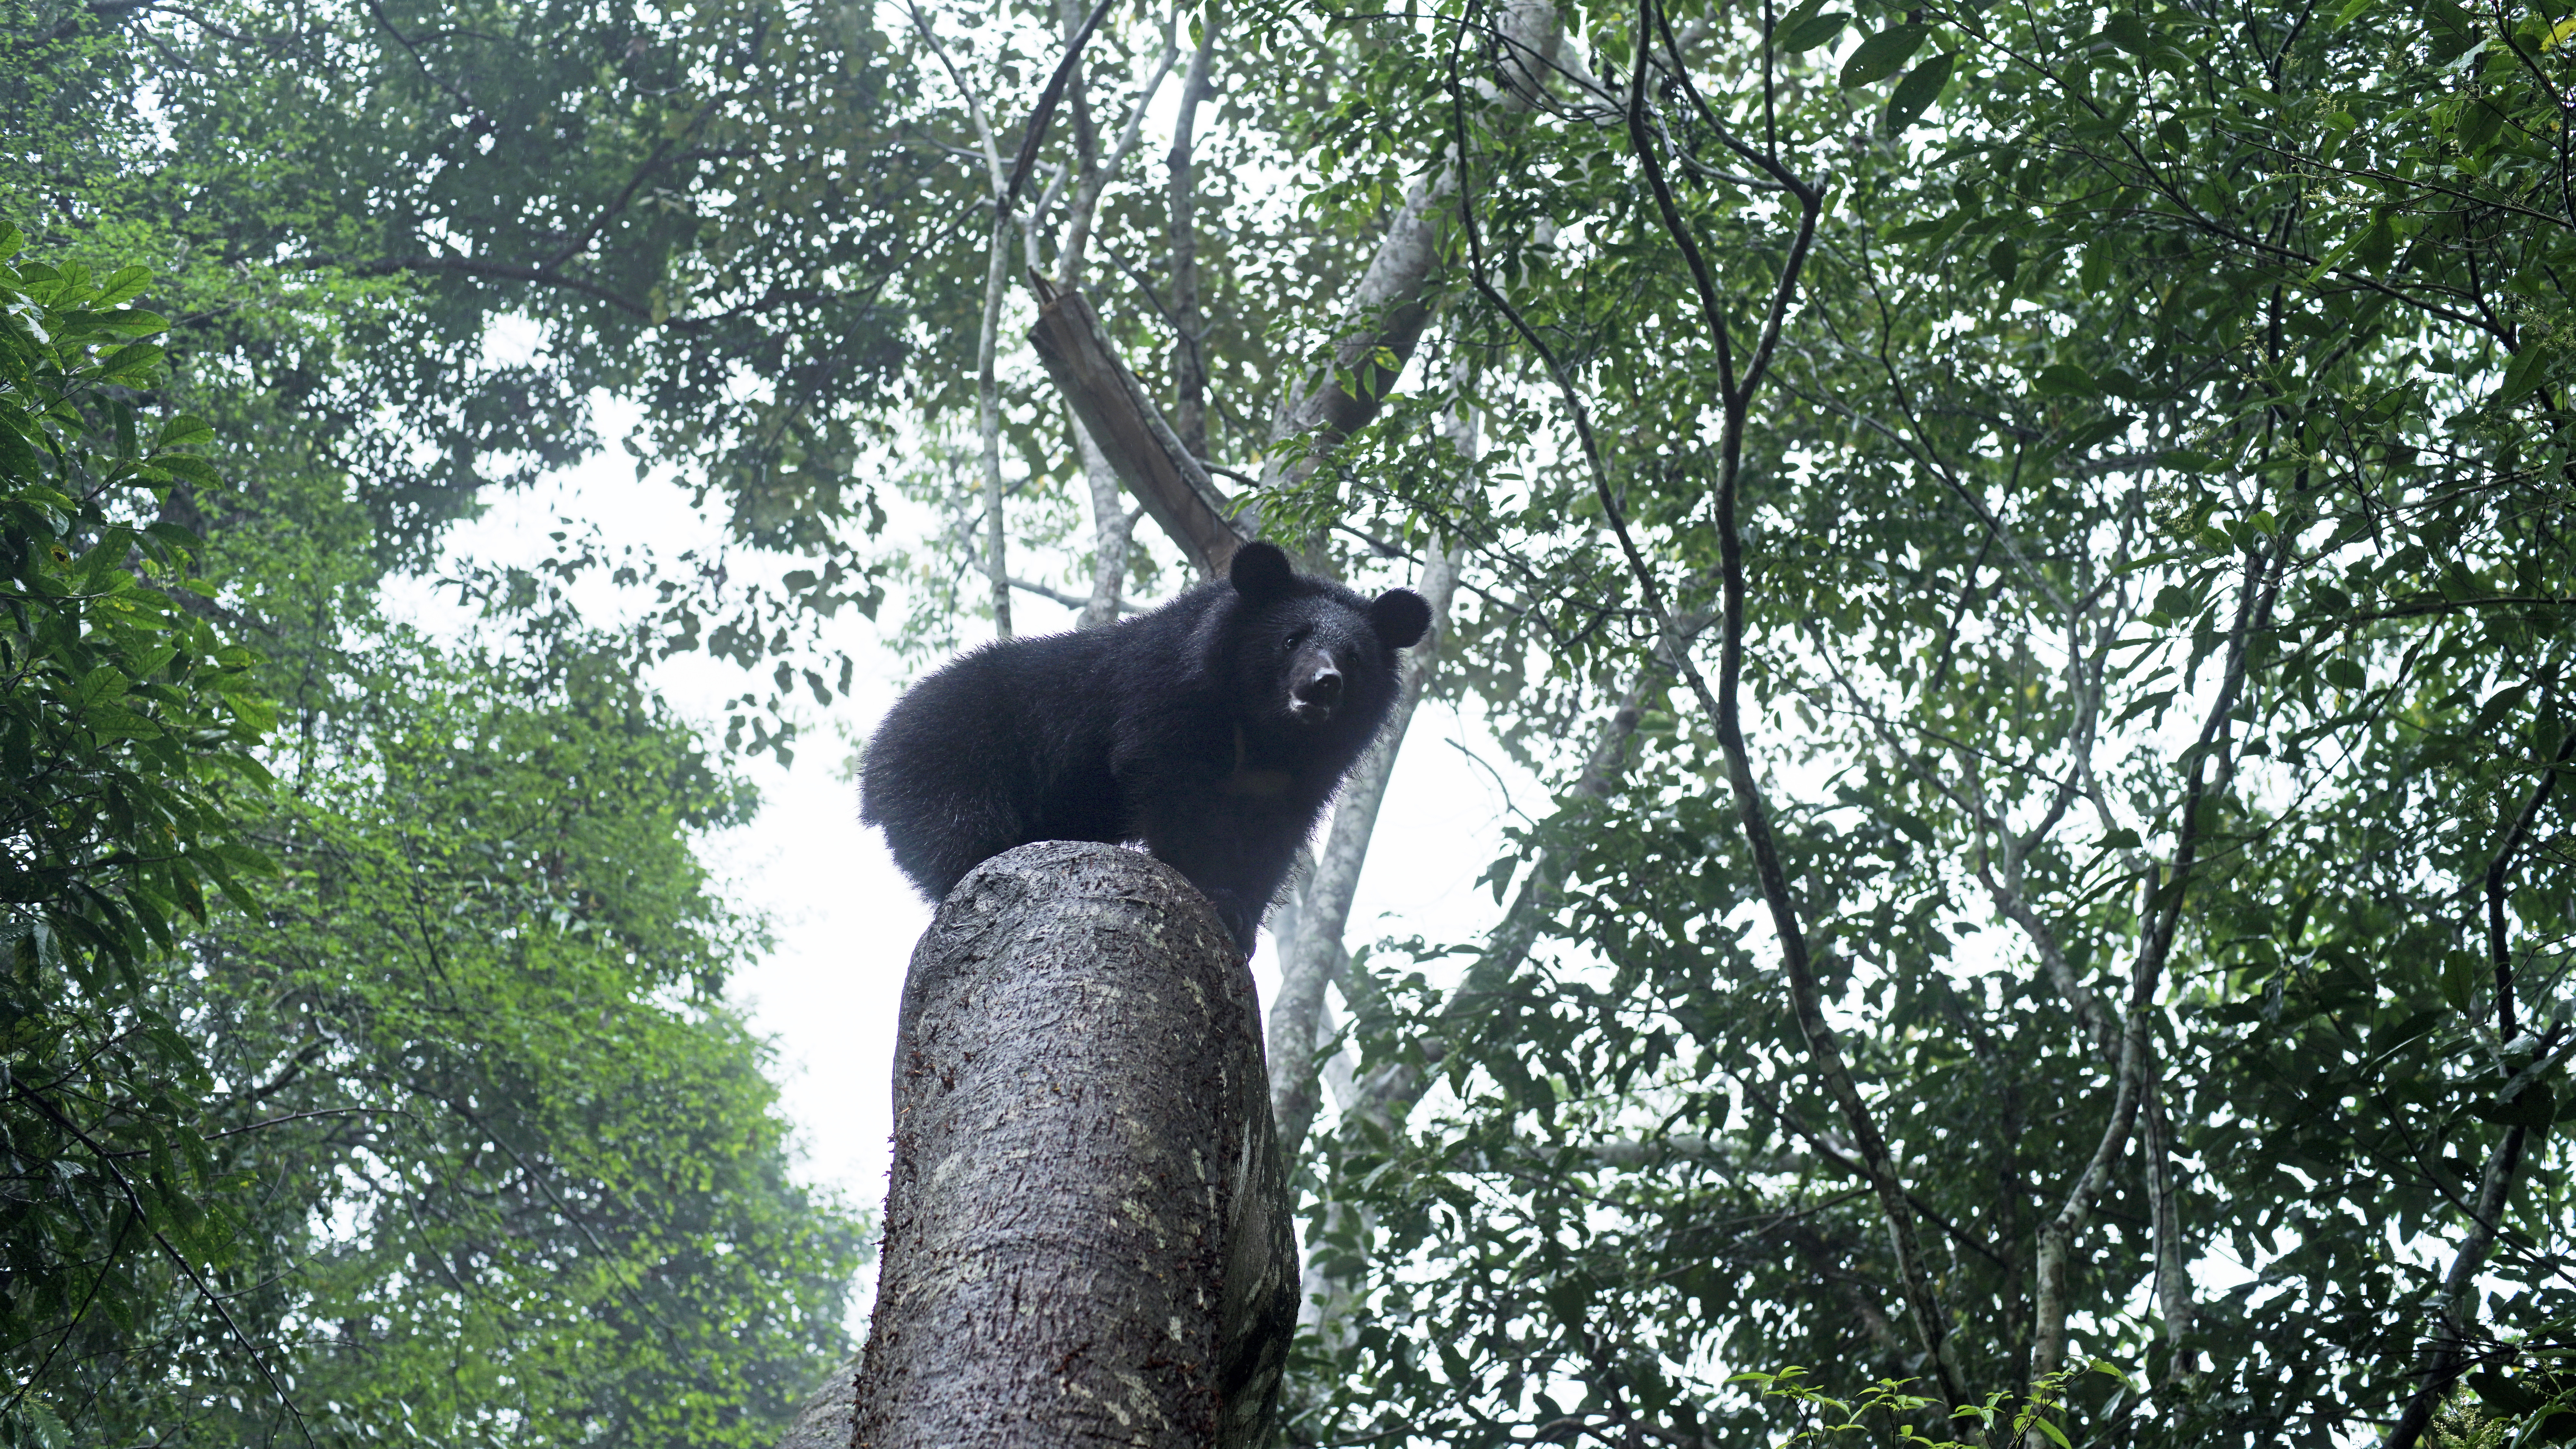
(1296,637)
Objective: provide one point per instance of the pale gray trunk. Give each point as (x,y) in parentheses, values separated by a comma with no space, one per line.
(2160,917)
(1113,531)
(988,422)
(1189,364)
(1312,955)
(1113,528)
(1393,300)
(1087,1236)
(2173,1270)
(1091,174)
(1390,1093)
(1388,310)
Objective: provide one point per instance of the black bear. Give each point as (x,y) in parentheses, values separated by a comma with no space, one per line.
(1213,729)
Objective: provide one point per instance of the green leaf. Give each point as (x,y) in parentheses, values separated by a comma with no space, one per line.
(255,713)
(195,470)
(104,682)
(1811,32)
(1915,94)
(242,858)
(2477,124)
(1883,54)
(2461,971)
(131,363)
(2498,705)
(2533,1106)
(2003,259)
(131,323)
(2064,379)
(2129,33)
(2523,375)
(2188,460)
(2137,707)
(122,286)
(182,431)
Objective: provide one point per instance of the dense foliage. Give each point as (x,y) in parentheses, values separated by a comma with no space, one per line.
(367,1068)
(2157,584)
(2030,545)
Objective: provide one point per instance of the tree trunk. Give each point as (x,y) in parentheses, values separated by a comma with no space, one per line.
(1088,1236)
(823,1420)
(1189,361)
(1312,954)
(988,423)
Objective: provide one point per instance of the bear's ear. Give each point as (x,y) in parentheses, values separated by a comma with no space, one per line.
(1400,618)
(1260,572)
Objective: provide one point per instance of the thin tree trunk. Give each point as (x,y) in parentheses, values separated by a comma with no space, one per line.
(2161,918)
(1388,311)
(1189,362)
(1113,531)
(2173,1268)
(2447,1350)
(1092,175)
(1738,385)
(1312,955)
(1087,1235)
(1391,1093)
(1110,534)
(988,413)
(988,421)
(1392,303)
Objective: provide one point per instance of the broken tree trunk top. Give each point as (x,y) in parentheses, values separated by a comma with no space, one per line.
(1140,446)
(1087,1233)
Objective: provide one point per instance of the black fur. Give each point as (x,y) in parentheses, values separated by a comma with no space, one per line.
(1213,729)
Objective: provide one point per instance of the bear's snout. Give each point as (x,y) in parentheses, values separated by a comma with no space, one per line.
(1316,694)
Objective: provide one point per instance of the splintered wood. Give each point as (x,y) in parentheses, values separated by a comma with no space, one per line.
(1132,434)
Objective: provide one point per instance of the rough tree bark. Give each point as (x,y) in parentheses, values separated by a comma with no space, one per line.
(1088,1235)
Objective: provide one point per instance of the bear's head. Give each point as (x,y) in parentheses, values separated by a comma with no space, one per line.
(1311,657)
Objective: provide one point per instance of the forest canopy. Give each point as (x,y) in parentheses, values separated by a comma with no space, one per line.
(2026,545)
